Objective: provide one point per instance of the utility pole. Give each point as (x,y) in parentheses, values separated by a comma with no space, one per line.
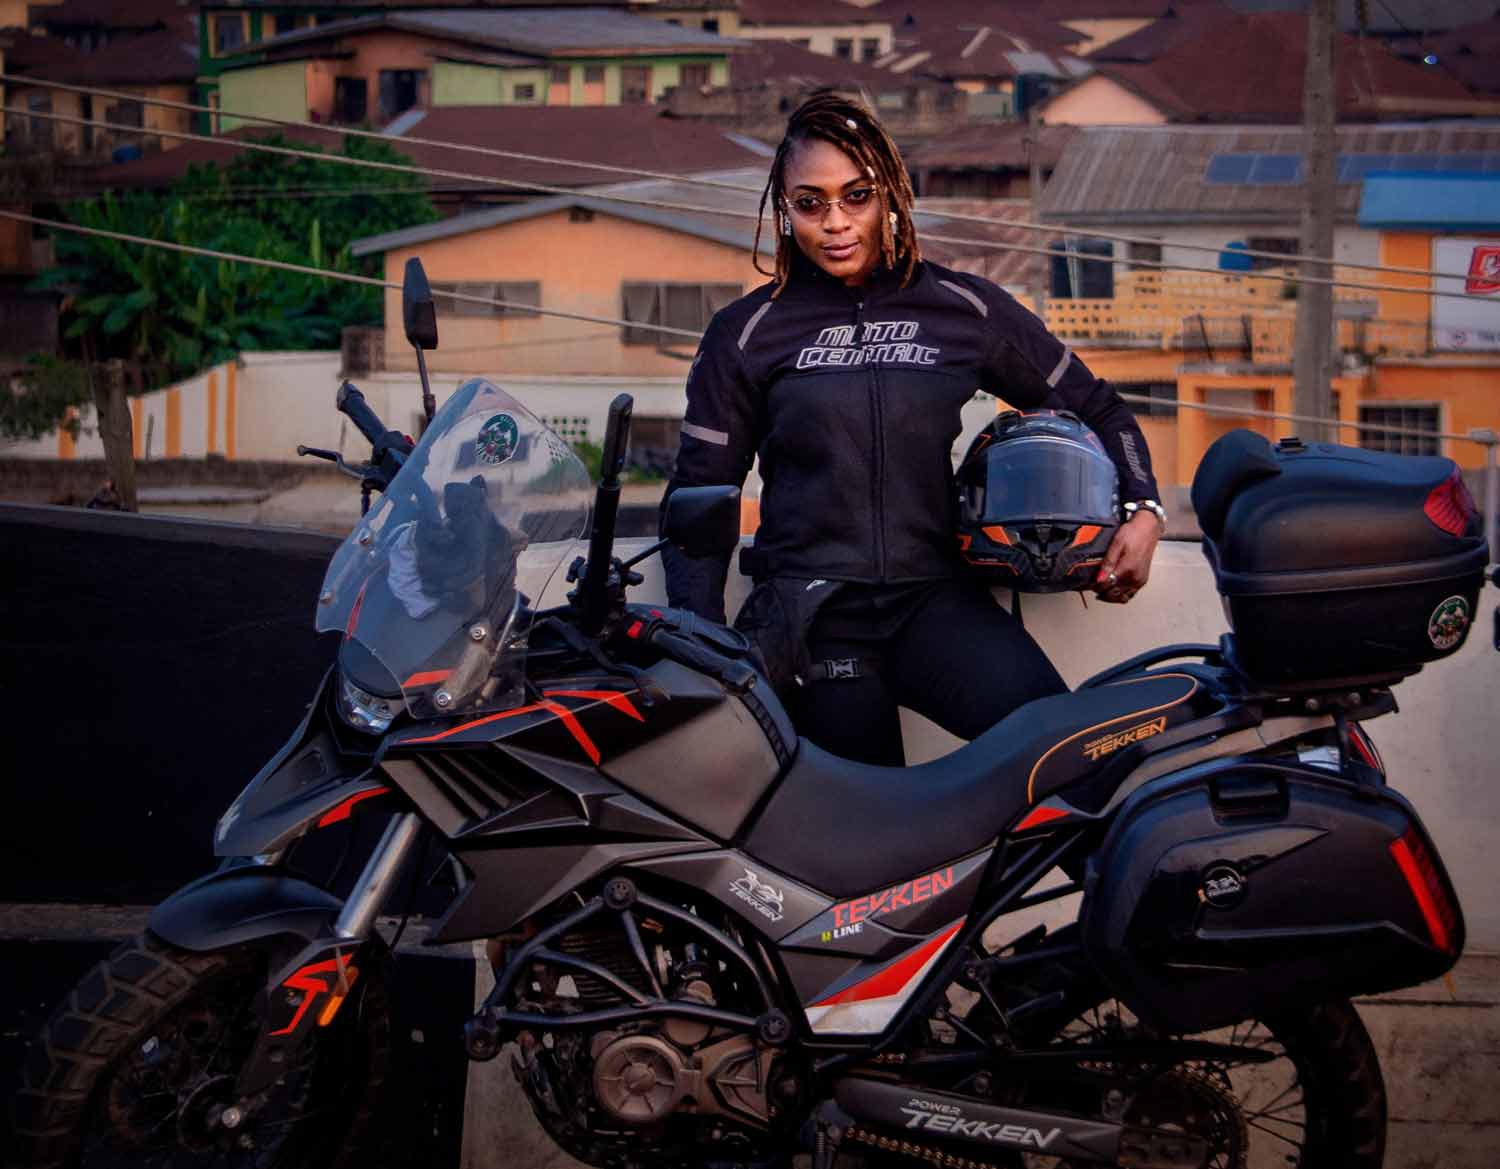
(1312,364)
(115,429)
(1034,155)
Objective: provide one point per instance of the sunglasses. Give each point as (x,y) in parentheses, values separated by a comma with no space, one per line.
(810,206)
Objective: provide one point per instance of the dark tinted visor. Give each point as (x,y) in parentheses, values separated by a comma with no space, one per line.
(1043,477)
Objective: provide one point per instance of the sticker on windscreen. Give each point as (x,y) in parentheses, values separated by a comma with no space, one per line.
(497,439)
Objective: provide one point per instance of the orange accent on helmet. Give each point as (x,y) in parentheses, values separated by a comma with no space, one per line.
(997,533)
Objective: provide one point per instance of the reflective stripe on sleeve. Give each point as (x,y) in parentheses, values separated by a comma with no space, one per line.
(1062,367)
(704,434)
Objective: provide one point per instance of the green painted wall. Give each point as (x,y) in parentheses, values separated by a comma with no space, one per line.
(272,91)
(456,84)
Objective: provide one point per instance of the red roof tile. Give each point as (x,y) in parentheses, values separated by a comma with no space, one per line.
(626,136)
(1198,80)
(988,146)
(154,58)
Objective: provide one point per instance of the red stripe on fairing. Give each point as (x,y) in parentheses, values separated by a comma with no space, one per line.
(343,809)
(617,700)
(575,728)
(311,987)
(1040,816)
(893,979)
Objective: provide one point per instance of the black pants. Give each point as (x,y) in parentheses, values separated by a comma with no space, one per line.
(944,650)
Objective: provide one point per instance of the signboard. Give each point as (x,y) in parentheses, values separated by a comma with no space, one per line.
(1467,324)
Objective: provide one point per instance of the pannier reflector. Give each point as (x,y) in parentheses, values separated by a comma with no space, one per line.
(1421,875)
(1450,506)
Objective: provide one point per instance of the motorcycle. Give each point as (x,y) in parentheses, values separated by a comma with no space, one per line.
(716,944)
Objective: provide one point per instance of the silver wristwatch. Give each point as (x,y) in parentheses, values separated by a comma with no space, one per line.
(1150,505)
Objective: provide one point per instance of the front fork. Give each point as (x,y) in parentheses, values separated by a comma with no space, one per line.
(306,993)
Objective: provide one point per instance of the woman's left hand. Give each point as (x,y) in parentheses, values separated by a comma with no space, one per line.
(1127,561)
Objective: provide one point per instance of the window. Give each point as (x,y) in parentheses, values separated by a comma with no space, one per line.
(803,42)
(593,74)
(39,130)
(635,84)
(284,22)
(1281,245)
(228,32)
(695,77)
(1075,274)
(125,114)
(398,91)
(869,48)
(524,93)
(1137,252)
(711,24)
(351,100)
(1409,416)
(527,292)
(562,75)
(1163,397)
(843,47)
(678,306)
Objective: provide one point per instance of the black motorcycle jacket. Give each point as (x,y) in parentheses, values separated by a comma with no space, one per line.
(851,397)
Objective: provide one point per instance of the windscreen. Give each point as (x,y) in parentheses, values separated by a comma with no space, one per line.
(425,588)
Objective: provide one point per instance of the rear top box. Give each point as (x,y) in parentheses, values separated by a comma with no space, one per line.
(1338,564)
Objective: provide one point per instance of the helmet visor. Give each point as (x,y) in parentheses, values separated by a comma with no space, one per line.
(1042,477)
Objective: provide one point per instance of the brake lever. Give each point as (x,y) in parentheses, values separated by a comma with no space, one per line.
(359,471)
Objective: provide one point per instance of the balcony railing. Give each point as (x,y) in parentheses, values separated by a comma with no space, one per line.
(1223,313)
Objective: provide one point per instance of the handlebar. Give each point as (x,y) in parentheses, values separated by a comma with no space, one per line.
(594,591)
(352,403)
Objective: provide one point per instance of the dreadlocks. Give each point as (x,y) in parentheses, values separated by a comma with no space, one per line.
(853,129)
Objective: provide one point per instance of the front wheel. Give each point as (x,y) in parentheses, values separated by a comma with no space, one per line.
(138,1067)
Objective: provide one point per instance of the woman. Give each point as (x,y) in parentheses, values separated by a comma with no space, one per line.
(846,373)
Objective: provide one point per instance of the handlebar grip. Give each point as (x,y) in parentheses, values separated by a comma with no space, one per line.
(689,652)
(352,403)
(616,438)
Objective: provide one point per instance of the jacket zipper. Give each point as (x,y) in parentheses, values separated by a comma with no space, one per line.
(877,487)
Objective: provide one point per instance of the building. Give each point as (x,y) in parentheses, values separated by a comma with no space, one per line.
(985,160)
(370,69)
(1224,336)
(834,28)
(1189,76)
(715,16)
(768,79)
(159,65)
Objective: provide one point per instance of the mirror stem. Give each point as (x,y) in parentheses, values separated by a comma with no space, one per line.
(429,403)
(651,551)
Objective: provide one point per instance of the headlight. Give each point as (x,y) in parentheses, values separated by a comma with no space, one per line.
(365,711)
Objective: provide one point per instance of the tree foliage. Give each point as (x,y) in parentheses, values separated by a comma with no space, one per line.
(185,312)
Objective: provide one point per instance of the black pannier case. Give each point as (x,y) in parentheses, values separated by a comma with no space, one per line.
(1256,886)
(1334,562)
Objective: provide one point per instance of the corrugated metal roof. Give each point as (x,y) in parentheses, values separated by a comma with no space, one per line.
(551,30)
(1152,174)
(1434,202)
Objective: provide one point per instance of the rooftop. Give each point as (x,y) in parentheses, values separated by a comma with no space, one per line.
(538,32)
(1195,80)
(1240,174)
(989,146)
(162,57)
(626,136)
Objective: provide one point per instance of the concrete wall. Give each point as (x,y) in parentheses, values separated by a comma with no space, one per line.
(820,38)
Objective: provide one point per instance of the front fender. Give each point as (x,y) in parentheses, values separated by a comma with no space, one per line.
(244,904)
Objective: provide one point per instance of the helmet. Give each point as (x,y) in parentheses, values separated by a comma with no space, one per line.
(1038,502)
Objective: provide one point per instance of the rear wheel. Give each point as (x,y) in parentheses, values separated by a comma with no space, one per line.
(138,1068)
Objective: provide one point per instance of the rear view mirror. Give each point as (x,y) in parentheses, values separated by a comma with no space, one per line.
(703,521)
(418,313)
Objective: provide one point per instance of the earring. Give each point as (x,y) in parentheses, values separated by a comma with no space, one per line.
(786,225)
(894,220)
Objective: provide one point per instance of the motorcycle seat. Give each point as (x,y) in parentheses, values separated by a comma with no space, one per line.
(847,828)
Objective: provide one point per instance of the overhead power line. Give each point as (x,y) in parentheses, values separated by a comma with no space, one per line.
(697,209)
(696,180)
(535,310)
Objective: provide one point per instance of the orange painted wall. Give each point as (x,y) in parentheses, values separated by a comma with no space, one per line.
(1097,101)
(581,267)
(1405,249)
(372,53)
(1469,392)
